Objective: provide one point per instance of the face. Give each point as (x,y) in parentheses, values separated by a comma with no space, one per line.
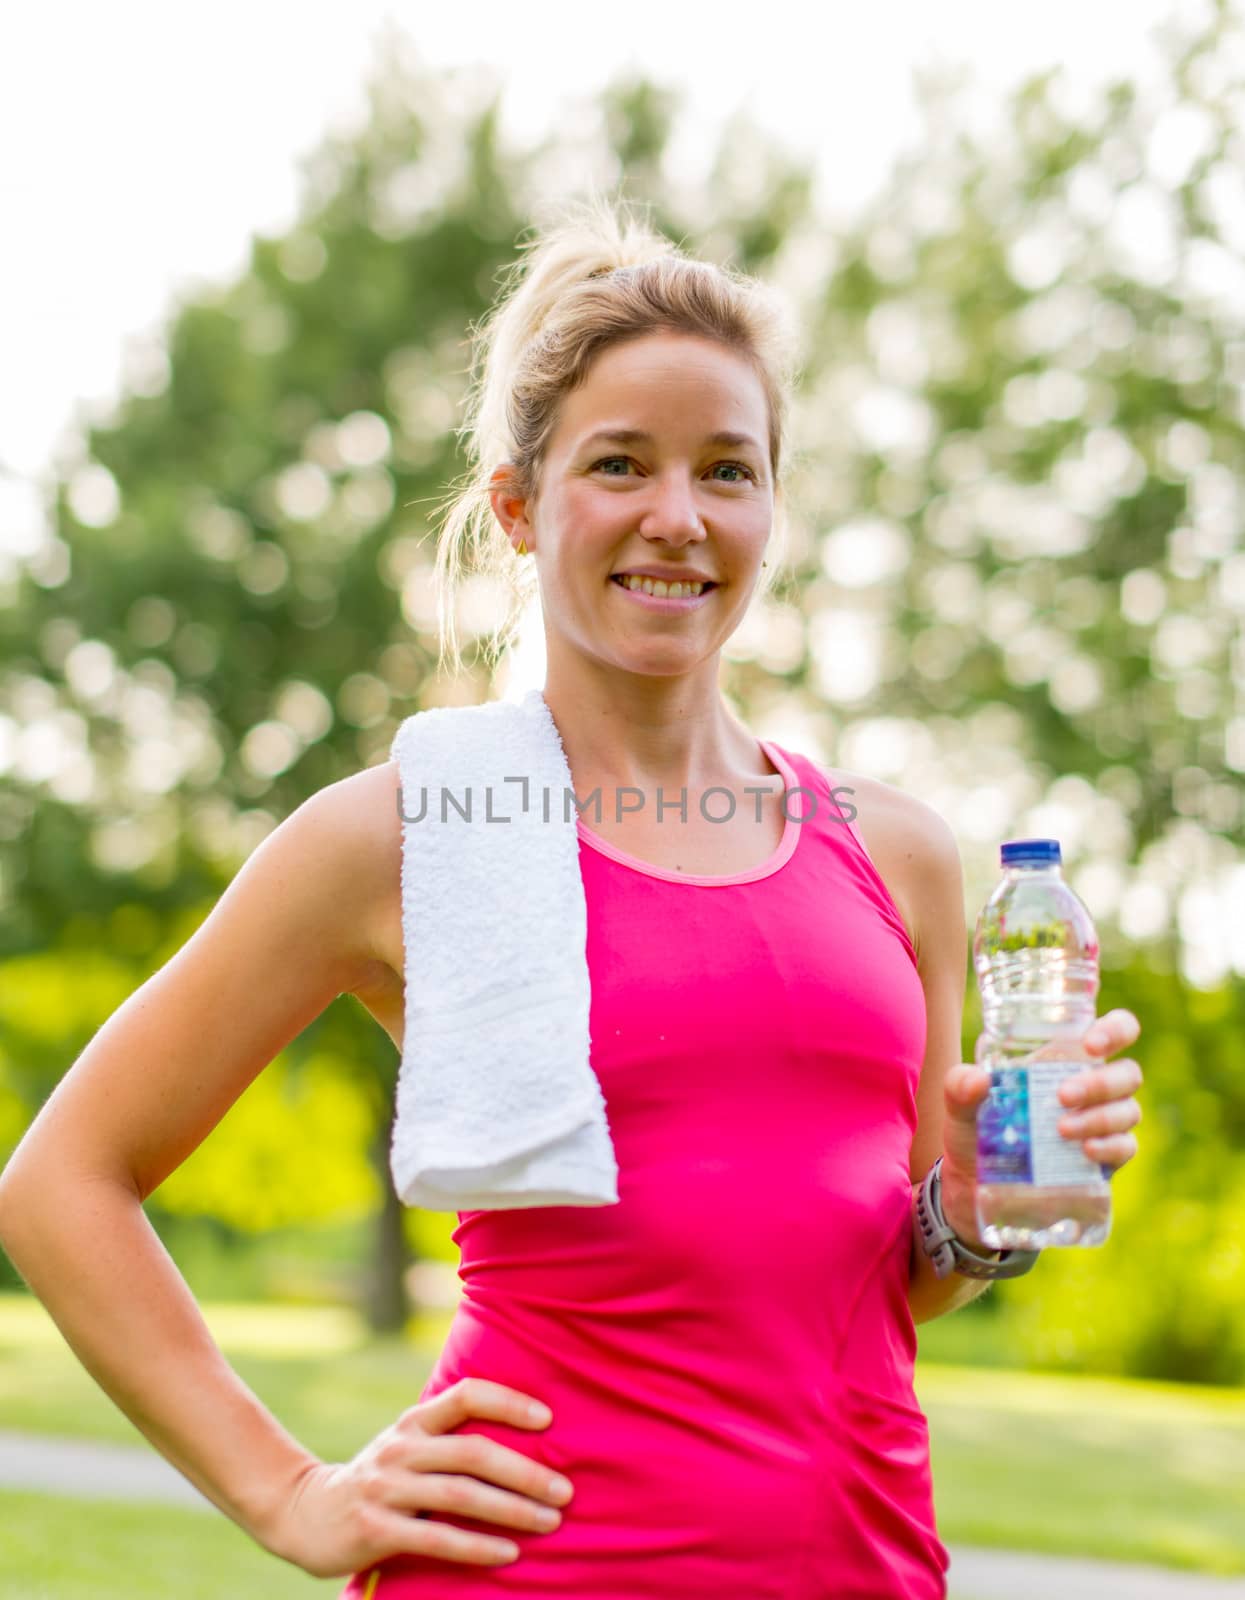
(677,501)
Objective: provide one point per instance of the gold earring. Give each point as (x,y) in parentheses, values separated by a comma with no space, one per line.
(521,548)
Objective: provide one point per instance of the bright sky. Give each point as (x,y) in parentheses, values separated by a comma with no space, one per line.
(144,141)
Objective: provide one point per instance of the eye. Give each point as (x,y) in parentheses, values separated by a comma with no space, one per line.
(735,466)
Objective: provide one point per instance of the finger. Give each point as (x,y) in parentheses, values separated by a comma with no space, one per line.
(1117,1116)
(443,1541)
(492,1462)
(1113,1152)
(478,1397)
(468,1497)
(1098,1084)
(1116,1030)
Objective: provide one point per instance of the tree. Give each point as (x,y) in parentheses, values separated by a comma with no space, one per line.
(235,608)
(1020,587)
(1014,583)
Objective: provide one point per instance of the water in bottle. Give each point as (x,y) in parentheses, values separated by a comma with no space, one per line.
(1035,952)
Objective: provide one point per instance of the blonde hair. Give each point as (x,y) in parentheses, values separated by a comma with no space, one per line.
(593,278)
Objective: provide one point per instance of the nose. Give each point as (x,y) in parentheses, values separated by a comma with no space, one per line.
(672,514)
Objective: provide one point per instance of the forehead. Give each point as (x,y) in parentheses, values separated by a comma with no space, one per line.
(666,383)
(734,441)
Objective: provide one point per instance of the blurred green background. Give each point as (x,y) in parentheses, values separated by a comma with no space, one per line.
(1014,584)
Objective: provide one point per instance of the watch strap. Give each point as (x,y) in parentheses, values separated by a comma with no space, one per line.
(948,1251)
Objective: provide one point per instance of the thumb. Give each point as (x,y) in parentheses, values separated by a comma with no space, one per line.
(964,1089)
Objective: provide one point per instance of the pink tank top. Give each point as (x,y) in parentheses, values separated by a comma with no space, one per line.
(728,1352)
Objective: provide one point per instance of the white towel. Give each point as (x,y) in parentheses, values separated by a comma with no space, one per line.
(498,1105)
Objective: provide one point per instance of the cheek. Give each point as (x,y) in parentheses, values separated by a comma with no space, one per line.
(587,502)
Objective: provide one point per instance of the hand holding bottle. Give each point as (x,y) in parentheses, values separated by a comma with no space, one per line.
(1102,1111)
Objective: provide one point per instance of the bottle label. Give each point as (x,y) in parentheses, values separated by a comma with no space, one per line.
(1018,1137)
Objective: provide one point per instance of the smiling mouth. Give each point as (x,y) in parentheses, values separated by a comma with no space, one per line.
(618,578)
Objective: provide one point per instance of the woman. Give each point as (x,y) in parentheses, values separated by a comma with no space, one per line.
(726,1355)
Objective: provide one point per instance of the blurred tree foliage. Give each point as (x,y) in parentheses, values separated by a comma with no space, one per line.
(1014,586)
(1020,569)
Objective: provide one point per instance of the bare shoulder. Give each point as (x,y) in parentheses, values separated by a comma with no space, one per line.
(910,843)
(358,820)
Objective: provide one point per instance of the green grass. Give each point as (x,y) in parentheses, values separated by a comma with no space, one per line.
(1119,1469)
(125,1552)
(54,1549)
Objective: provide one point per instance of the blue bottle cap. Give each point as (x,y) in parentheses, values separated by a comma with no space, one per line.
(1031,853)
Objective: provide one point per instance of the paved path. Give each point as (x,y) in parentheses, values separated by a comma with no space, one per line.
(81,1468)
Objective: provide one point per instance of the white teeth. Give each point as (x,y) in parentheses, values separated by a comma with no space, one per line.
(656,586)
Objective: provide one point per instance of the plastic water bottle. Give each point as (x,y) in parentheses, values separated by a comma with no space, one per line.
(1035,952)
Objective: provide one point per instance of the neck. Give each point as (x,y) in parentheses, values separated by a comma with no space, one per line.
(646,732)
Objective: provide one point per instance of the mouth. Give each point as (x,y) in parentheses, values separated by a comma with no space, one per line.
(666,602)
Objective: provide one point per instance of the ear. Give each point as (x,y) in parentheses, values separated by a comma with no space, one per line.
(509,508)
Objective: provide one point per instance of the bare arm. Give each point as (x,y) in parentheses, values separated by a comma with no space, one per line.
(934,880)
(291,932)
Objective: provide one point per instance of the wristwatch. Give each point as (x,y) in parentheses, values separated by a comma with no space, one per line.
(948,1251)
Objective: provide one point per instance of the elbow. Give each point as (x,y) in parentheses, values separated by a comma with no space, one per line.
(39,1208)
(24,1191)
(15,1203)
(47,1166)
(11,1209)
(7,1199)
(19,1176)
(19,1181)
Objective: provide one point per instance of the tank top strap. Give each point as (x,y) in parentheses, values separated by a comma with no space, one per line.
(828,809)
(821,802)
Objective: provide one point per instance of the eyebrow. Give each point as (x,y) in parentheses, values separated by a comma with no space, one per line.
(638,436)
